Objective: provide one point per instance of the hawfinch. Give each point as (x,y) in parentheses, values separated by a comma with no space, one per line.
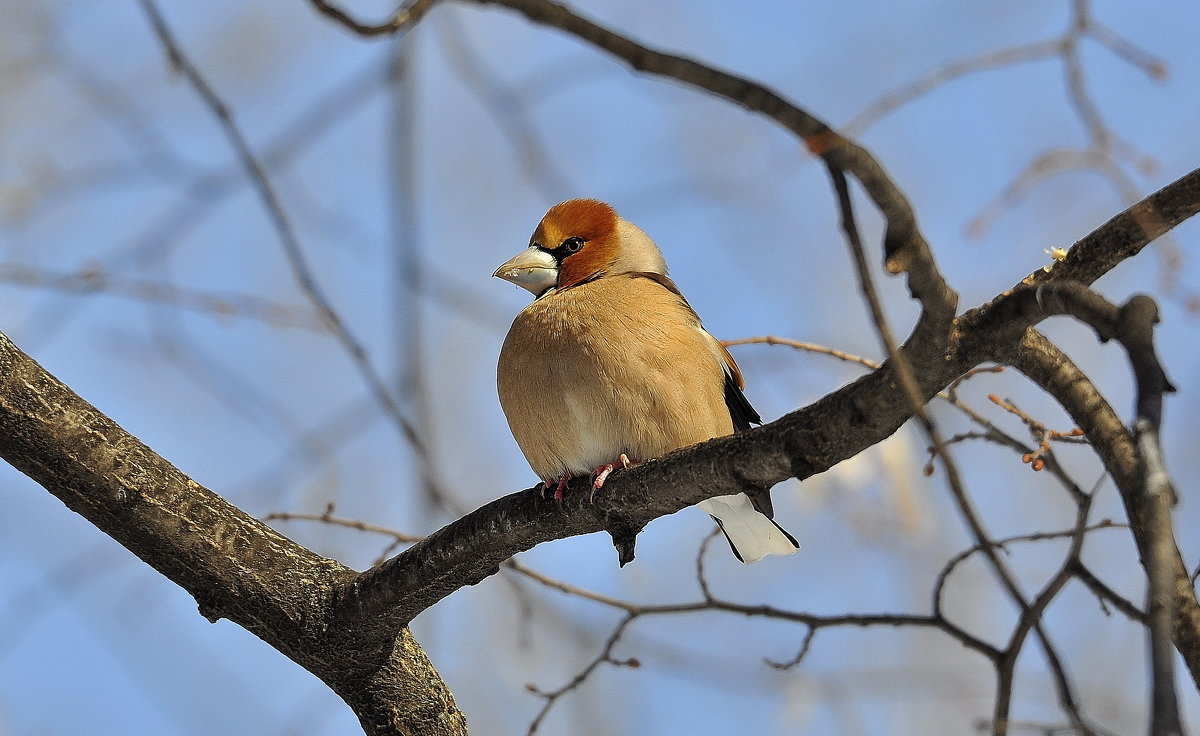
(609,363)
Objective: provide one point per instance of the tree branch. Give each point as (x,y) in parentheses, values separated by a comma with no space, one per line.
(1038,358)
(235,566)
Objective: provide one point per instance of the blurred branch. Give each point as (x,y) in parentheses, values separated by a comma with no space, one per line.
(300,266)
(943,74)
(1066,46)
(219,305)
(509,110)
(1104,149)
(905,248)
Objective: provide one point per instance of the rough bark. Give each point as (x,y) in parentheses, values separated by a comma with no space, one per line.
(235,566)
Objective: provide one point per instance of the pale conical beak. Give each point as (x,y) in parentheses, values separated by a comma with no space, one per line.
(533,269)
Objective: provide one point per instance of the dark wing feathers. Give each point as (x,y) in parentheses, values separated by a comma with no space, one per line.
(740,410)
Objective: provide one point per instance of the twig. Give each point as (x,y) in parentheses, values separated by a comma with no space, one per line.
(508,110)
(604,656)
(1106,595)
(941,75)
(701,579)
(400,20)
(328,518)
(799,345)
(1031,619)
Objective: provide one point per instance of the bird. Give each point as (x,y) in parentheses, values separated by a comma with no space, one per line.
(609,366)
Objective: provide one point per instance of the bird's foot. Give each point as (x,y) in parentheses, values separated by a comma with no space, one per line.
(600,474)
(560,485)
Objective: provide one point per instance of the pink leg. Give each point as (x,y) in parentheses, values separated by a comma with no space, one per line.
(561,486)
(600,474)
(559,483)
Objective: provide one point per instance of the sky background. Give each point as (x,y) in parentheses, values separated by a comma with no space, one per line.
(140,266)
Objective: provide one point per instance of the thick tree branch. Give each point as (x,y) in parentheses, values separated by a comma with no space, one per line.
(235,566)
(1126,234)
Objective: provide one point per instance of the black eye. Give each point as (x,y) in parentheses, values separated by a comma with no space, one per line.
(573,244)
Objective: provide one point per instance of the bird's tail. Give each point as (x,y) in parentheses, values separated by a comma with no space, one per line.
(752,535)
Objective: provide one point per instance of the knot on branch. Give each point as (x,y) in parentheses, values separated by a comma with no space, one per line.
(624,538)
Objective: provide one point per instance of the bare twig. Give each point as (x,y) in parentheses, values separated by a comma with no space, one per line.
(807,346)
(1106,595)
(605,656)
(400,20)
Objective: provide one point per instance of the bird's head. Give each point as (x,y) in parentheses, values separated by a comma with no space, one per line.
(578,241)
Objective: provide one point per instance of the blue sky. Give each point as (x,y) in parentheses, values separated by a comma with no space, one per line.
(111,165)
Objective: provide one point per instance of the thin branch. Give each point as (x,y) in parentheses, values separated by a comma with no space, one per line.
(329,518)
(93,280)
(807,346)
(939,76)
(1106,595)
(605,656)
(400,20)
